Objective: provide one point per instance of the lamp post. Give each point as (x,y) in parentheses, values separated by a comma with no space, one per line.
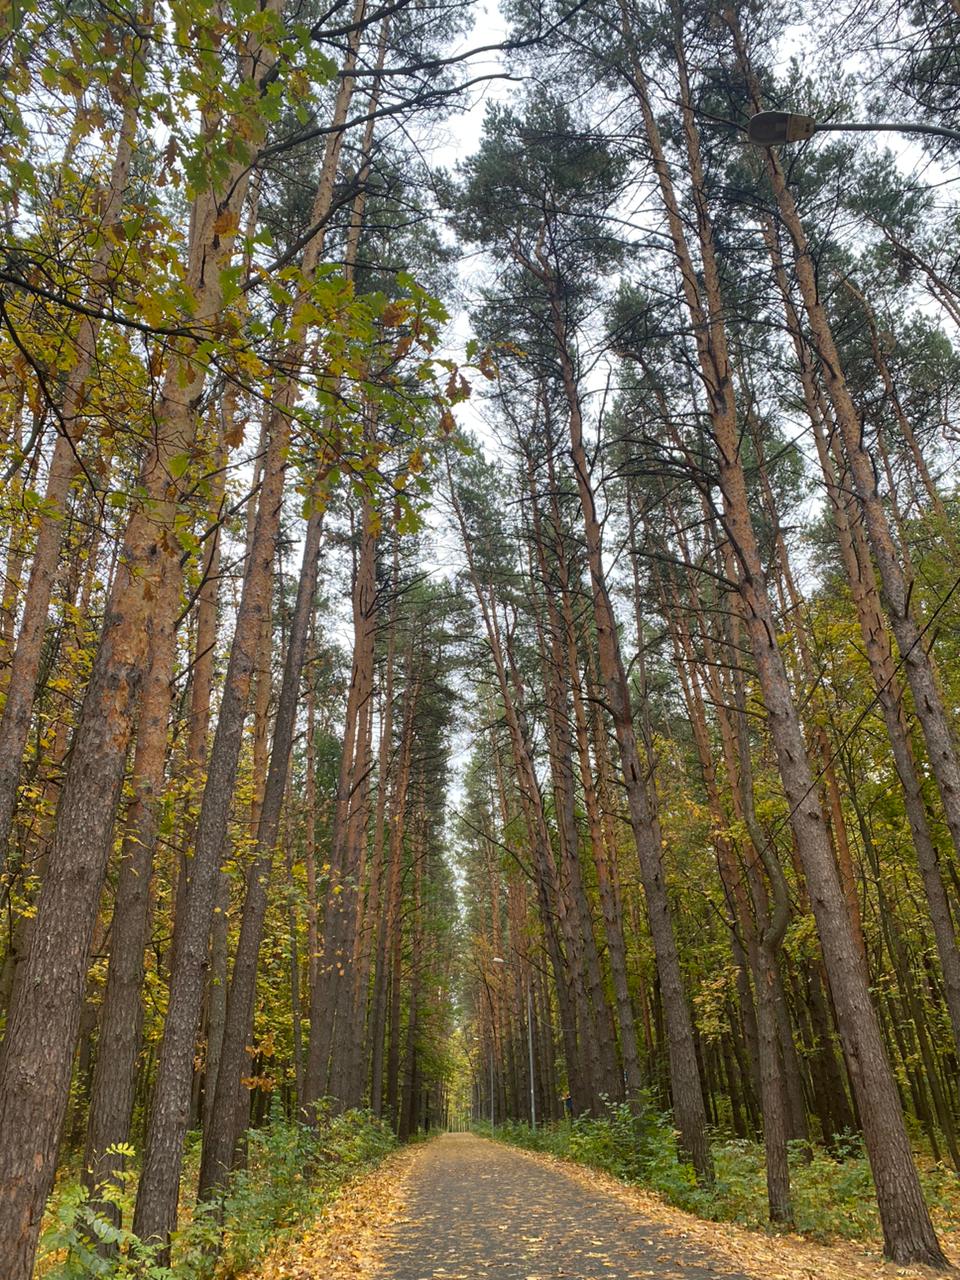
(477,1079)
(533,1092)
(492,1095)
(772,128)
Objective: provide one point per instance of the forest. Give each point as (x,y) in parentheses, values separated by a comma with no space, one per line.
(479,612)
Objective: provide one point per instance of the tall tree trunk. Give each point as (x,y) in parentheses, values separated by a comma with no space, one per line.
(408,1113)
(792,602)
(114,1080)
(155,1215)
(42,1028)
(348,1080)
(944,527)
(390,924)
(744,940)
(335,970)
(908,1232)
(599,1028)
(603,849)
(553,911)
(896,587)
(374,915)
(684,1073)
(771,929)
(64,464)
(557,679)
(221,1139)
(310,835)
(863,590)
(293,930)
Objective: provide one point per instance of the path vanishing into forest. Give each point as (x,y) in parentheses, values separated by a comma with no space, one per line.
(477,1209)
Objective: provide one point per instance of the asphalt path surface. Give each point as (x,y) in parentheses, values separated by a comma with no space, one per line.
(479,1210)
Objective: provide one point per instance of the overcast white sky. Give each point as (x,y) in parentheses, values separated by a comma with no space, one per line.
(458,137)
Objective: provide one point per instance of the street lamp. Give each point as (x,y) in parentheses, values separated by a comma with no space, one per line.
(771,128)
(492,1093)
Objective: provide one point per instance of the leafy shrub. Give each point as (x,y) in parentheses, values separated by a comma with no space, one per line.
(631,1141)
(833,1193)
(292,1171)
(77,1231)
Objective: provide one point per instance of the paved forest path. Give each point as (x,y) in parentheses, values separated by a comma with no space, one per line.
(481,1211)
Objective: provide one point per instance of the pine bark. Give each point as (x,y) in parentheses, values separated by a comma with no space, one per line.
(64,467)
(220,1140)
(333,989)
(42,1028)
(908,1233)
(121,1018)
(390,924)
(861,578)
(684,1074)
(560,749)
(155,1215)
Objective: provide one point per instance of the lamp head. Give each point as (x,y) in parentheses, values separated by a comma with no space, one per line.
(770,128)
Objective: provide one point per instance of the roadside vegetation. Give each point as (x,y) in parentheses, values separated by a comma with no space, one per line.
(834,1196)
(292,1172)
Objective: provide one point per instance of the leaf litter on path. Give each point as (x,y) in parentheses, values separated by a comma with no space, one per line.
(346,1241)
(774,1256)
(351,1237)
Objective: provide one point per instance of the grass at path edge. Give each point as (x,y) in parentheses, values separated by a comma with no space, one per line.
(833,1194)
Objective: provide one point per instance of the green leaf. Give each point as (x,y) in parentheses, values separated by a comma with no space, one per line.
(178,464)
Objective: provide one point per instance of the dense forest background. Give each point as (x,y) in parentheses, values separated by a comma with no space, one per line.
(402,728)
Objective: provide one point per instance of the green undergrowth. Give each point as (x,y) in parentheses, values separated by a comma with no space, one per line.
(833,1191)
(292,1171)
